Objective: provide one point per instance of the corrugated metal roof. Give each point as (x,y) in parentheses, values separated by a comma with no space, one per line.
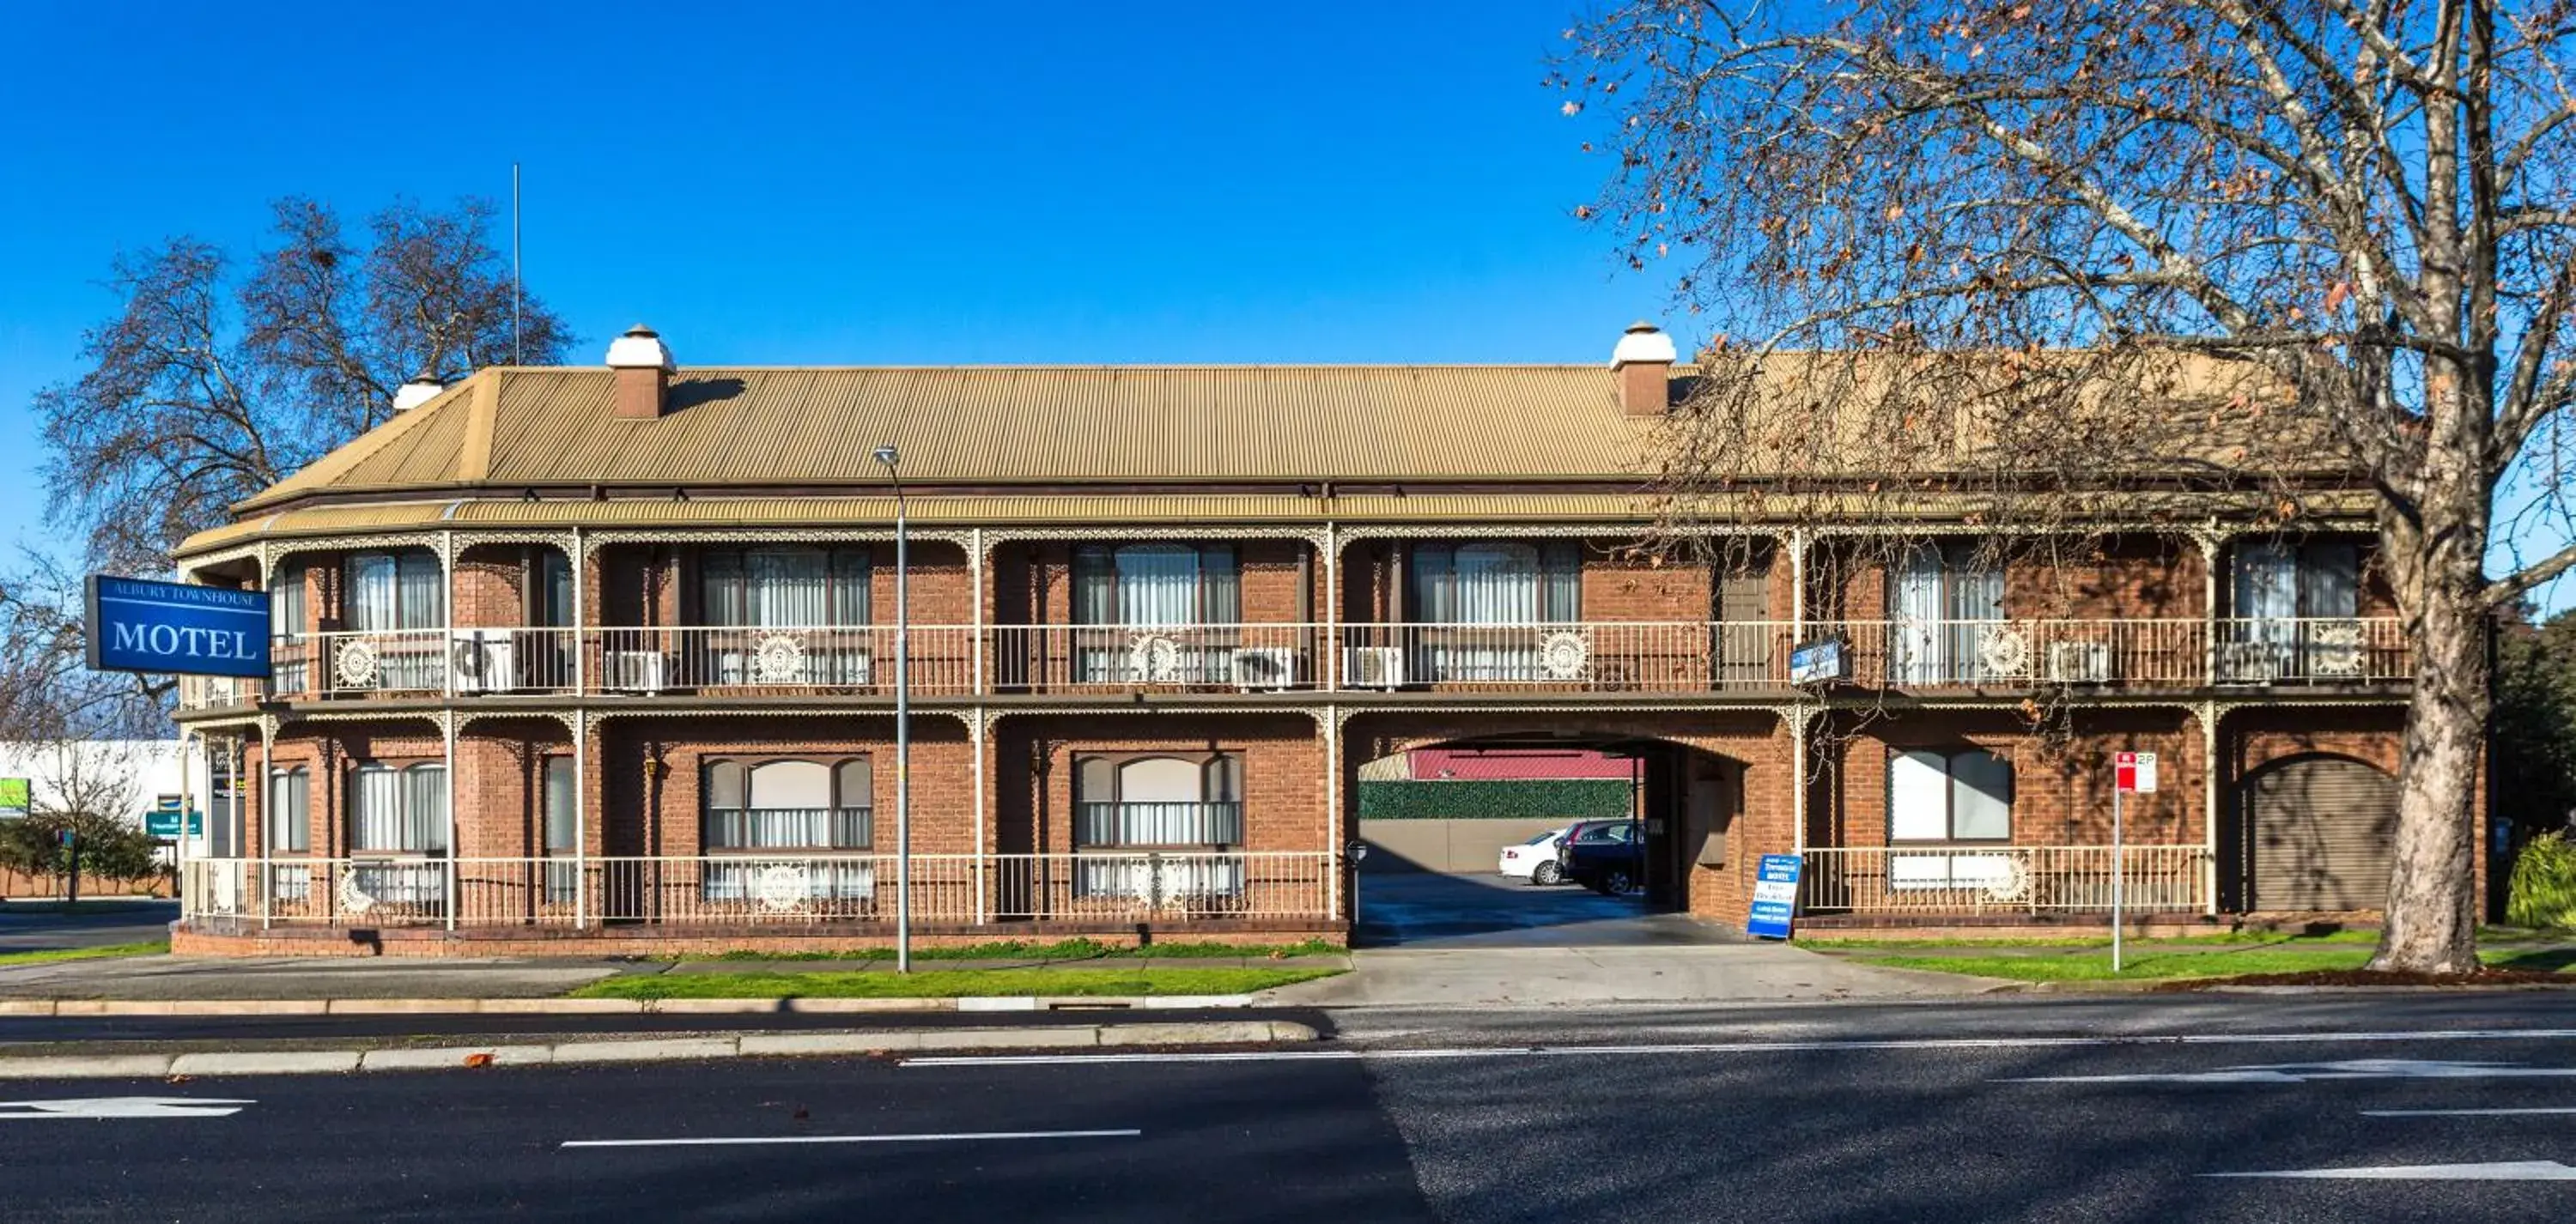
(991,424)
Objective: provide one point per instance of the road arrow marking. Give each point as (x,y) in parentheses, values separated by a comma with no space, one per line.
(2301,1073)
(2509,1170)
(120,1107)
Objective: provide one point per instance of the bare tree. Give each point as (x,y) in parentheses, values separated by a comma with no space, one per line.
(2010,248)
(206,387)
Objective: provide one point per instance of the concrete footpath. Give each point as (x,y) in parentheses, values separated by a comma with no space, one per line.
(324,1057)
(1577,976)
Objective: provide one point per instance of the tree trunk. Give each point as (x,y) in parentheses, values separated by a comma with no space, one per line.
(2432,926)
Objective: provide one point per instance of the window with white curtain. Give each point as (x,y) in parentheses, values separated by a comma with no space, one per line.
(1497,582)
(784,586)
(2291,601)
(1158,800)
(398,810)
(1937,796)
(290,809)
(1942,599)
(390,591)
(286,606)
(789,804)
(1156,584)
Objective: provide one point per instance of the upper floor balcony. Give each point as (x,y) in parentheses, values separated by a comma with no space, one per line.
(1675,658)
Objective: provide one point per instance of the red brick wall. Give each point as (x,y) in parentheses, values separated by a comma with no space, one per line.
(1283,772)
(2061,787)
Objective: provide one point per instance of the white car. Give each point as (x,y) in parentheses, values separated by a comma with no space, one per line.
(1535,860)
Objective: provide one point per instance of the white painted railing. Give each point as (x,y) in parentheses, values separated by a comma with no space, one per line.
(1593,656)
(2002,879)
(1248,658)
(2312,650)
(756,888)
(1611,656)
(703,659)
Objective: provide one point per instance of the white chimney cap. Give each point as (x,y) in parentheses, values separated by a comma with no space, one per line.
(422,388)
(1644,342)
(640,349)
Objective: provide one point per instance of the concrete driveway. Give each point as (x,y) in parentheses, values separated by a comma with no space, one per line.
(1420,909)
(1429,940)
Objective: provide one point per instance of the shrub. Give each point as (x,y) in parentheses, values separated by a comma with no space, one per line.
(2542,892)
(1496,799)
(110,849)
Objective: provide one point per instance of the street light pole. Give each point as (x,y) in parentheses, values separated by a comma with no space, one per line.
(888,456)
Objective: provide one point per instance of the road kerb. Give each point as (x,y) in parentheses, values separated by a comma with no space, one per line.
(456,1058)
(598,1007)
(659,1049)
(265,1062)
(94,1066)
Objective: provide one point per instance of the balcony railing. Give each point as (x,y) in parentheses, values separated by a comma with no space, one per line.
(2003,879)
(849,828)
(756,889)
(1596,656)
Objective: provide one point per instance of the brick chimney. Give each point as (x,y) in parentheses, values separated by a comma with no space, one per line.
(1643,363)
(642,366)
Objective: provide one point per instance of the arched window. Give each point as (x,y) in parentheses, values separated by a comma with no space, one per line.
(1156,799)
(1936,796)
(788,804)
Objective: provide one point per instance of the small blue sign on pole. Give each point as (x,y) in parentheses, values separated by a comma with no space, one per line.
(1775,896)
(138,625)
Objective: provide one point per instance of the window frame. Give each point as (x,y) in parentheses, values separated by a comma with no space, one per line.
(270,809)
(1218,768)
(1097,562)
(1950,756)
(1556,575)
(403,613)
(401,767)
(739,615)
(833,765)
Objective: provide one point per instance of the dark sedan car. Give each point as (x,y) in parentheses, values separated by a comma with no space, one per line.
(1606,856)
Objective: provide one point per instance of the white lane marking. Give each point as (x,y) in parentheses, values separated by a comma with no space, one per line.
(120,1107)
(2469,1113)
(2300,1073)
(2503,1170)
(934,1138)
(1748,1047)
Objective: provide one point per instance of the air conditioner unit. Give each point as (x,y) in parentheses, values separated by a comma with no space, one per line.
(635,671)
(1377,667)
(2248,662)
(2079,662)
(485,660)
(1264,669)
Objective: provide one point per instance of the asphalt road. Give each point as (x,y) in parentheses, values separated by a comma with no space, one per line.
(32,926)
(2118,1110)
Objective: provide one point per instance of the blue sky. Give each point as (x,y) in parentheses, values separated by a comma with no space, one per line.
(780,183)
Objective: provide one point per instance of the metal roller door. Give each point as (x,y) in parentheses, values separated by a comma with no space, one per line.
(2322,828)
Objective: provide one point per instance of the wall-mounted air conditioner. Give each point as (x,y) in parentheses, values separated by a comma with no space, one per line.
(1264,669)
(2079,662)
(485,660)
(635,671)
(1377,667)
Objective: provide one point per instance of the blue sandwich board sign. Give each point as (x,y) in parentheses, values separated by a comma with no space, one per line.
(1775,896)
(138,625)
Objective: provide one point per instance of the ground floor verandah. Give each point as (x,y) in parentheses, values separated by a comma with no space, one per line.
(776,830)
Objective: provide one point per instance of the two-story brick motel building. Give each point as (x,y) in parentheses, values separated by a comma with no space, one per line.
(601,659)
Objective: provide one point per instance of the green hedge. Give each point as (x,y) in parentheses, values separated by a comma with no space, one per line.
(2543,890)
(1485,799)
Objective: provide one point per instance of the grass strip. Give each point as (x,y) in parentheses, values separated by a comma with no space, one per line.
(44,956)
(946,983)
(2145,965)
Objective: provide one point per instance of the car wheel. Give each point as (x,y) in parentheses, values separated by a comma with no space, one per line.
(1547,873)
(1617,882)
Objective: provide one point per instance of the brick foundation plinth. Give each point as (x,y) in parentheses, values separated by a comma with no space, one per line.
(189,939)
